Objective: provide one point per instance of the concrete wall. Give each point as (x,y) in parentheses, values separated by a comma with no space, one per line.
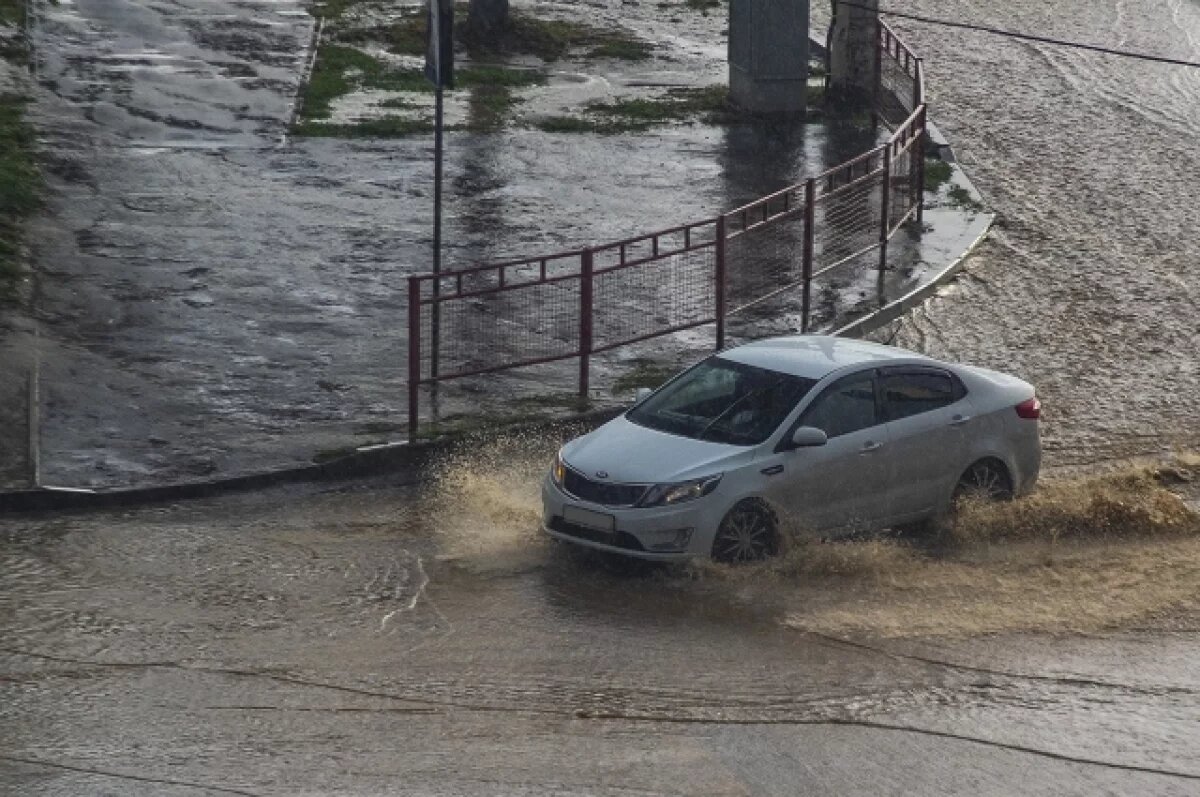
(852,52)
(768,55)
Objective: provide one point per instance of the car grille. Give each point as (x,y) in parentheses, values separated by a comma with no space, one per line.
(583,488)
(619,539)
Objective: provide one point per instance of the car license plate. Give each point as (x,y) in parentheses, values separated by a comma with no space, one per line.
(592,520)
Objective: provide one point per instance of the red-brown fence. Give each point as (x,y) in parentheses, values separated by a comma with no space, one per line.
(576,304)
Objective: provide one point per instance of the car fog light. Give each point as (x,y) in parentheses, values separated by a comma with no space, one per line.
(672,540)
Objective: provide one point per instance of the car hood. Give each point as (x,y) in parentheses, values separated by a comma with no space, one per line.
(633,454)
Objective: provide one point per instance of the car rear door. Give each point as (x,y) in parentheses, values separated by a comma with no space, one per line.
(842,484)
(928,416)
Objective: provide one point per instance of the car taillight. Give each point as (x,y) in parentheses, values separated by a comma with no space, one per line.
(1030,409)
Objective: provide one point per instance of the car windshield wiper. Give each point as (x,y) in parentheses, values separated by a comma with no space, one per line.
(734,406)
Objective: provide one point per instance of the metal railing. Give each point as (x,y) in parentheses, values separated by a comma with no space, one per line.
(582,302)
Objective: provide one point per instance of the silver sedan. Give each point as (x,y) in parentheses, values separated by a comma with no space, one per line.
(819,434)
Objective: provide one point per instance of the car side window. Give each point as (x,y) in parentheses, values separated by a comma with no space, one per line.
(907,393)
(845,406)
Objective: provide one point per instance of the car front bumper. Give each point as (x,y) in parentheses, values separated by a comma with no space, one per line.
(657,534)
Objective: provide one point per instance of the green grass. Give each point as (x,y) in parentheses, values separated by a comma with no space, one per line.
(622,49)
(341,69)
(384,127)
(12,13)
(962,199)
(566,124)
(490,76)
(709,104)
(937,174)
(20,187)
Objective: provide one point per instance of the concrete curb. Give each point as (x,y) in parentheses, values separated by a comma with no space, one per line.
(405,460)
(898,307)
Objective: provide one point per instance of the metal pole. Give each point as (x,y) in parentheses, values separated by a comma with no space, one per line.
(585,320)
(719,279)
(885,207)
(919,154)
(810,218)
(435,320)
(414,353)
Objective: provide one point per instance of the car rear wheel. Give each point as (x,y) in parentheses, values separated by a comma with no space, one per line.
(986,480)
(747,534)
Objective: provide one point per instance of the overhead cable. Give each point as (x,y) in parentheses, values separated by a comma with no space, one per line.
(1160,59)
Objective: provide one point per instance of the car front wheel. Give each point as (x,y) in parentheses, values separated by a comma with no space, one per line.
(747,534)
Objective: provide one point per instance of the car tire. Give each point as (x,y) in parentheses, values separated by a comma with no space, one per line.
(986,480)
(749,533)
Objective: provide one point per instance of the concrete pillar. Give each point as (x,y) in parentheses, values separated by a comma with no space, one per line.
(852,51)
(768,55)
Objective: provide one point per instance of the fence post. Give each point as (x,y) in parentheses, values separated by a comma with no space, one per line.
(918,100)
(414,354)
(880,49)
(585,320)
(885,207)
(919,154)
(719,280)
(810,221)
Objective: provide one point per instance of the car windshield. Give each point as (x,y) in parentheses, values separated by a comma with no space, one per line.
(723,401)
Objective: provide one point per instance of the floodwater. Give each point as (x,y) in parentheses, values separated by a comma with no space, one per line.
(381,639)
(1089,287)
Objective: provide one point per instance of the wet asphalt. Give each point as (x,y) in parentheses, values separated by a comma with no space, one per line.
(380,640)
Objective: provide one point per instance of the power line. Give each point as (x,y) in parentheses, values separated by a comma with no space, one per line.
(1159,59)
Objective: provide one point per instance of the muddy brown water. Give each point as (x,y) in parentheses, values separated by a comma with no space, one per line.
(371,639)
(374,638)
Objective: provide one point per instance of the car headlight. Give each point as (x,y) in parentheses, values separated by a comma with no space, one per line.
(678,492)
(558,471)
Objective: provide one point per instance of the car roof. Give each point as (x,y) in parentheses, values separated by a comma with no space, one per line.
(815,356)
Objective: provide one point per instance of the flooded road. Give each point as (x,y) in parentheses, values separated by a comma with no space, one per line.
(1089,287)
(376,639)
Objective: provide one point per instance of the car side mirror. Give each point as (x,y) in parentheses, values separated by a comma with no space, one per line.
(641,395)
(809,437)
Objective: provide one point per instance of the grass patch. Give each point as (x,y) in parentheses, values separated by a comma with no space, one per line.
(645,373)
(491,76)
(961,198)
(341,69)
(703,6)
(566,124)
(622,50)
(12,13)
(334,9)
(709,104)
(552,39)
(937,174)
(384,127)
(20,187)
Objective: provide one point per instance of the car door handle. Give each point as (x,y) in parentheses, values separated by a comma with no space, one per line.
(959,420)
(871,446)
(772,471)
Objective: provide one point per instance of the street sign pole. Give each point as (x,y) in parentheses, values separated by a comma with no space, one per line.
(435,316)
(439,70)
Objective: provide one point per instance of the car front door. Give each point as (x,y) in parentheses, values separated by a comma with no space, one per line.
(842,484)
(928,416)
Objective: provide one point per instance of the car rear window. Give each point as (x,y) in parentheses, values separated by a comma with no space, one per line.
(908,393)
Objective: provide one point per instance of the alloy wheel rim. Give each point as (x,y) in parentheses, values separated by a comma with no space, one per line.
(986,482)
(745,537)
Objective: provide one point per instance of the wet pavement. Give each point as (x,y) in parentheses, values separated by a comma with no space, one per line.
(215,297)
(375,639)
